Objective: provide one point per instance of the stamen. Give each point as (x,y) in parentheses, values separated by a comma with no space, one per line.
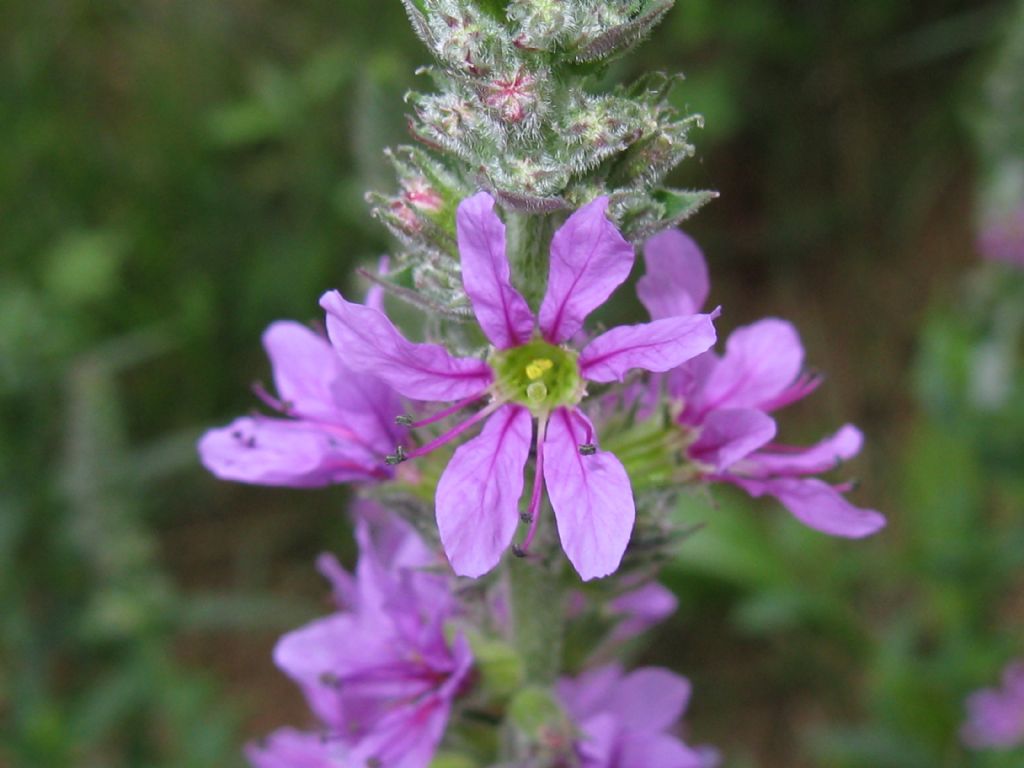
(533,512)
(406,421)
(587,428)
(287,408)
(378,472)
(281,406)
(588,449)
(447,437)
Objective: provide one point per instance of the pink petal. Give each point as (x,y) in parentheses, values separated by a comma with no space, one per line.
(761,361)
(686,383)
(387,546)
(375,295)
(501,311)
(817,505)
(995,716)
(384,536)
(477,497)
(368,342)
(281,452)
(307,653)
(676,281)
(305,366)
(649,699)
(820,457)
(588,693)
(589,260)
(344,588)
(313,384)
(290,748)
(642,608)
(729,435)
(406,736)
(598,741)
(801,387)
(658,346)
(367,407)
(659,749)
(591,497)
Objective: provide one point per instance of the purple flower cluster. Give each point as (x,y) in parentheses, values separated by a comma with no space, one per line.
(995,716)
(380,673)
(339,401)
(388,669)
(383,672)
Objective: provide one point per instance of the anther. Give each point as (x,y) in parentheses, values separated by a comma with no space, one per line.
(526,517)
(536,368)
(395,458)
(403,421)
(518,551)
(588,449)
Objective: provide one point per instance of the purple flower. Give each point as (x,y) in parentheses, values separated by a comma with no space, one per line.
(624,720)
(531,375)
(640,609)
(995,717)
(1002,239)
(380,673)
(724,402)
(334,428)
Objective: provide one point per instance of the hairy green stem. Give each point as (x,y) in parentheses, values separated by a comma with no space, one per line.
(537,606)
(529,238)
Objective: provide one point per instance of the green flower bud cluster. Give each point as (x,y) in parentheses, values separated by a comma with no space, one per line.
(517,110)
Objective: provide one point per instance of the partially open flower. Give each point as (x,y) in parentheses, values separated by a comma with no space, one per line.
(722,404)
(333,424)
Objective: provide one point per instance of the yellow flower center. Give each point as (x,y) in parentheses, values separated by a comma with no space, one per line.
(539,375)
(535,369)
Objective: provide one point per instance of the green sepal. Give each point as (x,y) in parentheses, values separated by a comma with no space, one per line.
(498,664)
(535,713)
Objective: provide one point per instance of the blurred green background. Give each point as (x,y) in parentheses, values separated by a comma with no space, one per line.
(174,175)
